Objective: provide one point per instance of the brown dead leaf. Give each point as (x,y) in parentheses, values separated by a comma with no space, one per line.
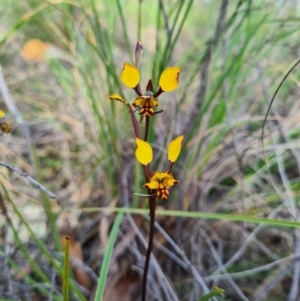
(123,287)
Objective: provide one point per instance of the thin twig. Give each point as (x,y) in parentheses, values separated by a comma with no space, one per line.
(29,178)
(189,265)
(250,237)
(52,288)
(220,264)
(263,293)
(257,270)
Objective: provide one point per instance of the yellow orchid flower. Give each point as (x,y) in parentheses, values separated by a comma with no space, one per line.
(5,126)
(159,181)
(145,102)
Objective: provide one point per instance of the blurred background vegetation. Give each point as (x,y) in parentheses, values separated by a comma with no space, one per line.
(61,60)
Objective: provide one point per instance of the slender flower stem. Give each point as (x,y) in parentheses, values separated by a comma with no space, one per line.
(170,167)
(147,128)
(135,124)
(147,173)
(150,243)
(151,202)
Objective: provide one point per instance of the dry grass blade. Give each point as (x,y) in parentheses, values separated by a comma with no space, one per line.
(35,183)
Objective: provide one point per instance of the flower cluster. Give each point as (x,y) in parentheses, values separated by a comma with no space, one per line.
(158,183)
(146,102)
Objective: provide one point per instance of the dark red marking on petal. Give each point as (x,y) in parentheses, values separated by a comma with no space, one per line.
(146,110)
(162,193)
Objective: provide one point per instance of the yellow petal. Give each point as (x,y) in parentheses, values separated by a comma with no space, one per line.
(152,185)
(172,182)
(139,102)
(159,176)
(118,98)
(169,79)
(153,102)
(2,114)
(130,75)
(174,149)
(143,152)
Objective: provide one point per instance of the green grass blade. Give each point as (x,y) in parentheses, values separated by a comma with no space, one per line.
(125,31)
(107,257)
(66,270)
(203,215)
(171,47)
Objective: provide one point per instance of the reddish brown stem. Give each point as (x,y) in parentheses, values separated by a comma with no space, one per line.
(150,244)
(147,174)
(147,128)
(135,124)
(170,167)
